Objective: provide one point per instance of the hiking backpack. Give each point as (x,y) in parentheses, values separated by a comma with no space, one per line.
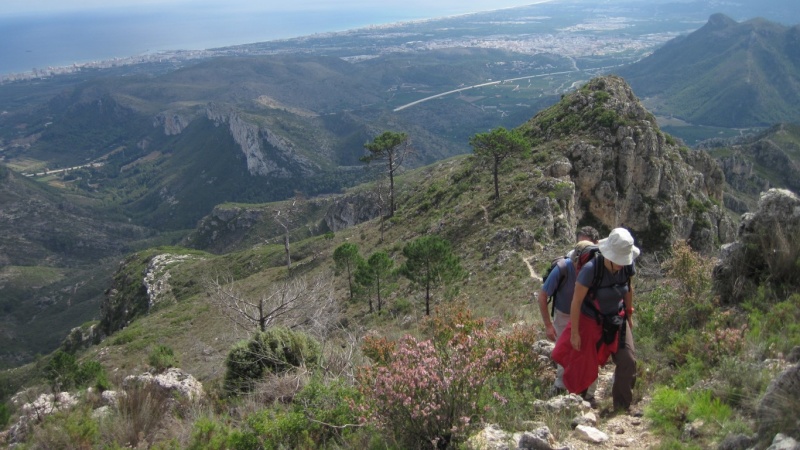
(585,255)
(561,263)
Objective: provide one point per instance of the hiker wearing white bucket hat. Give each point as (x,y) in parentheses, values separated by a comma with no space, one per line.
(618,247)
(600,320)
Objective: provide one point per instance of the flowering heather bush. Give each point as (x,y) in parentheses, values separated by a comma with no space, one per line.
(428,396)
(521,365)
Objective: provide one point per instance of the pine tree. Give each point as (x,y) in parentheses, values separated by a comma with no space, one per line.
(430,263)
(497,145)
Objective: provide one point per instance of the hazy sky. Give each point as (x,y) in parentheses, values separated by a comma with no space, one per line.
(421,7)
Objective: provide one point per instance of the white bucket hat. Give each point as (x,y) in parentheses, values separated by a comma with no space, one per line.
(618,247)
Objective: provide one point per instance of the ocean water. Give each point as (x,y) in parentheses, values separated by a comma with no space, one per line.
(30,42)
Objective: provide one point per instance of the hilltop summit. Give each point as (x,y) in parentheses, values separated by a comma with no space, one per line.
(726,74)
(627,172)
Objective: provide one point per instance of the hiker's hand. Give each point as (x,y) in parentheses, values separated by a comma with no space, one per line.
(551,332)
(630,322)
(575,340)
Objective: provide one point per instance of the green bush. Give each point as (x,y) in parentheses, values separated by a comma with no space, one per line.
(5,415)
(273,351)
(668,410)
(93,373)
(709,409)
(69,429)
(64,372)
(281,429)
(209,434)
(401,307)
(776,327)
(162,358)
(331,404)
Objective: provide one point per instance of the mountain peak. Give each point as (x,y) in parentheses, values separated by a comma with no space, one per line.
(604,103)
(725,74)
(719,21)
(626,171)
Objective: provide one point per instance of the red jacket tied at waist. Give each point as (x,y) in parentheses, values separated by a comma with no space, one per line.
(581,367)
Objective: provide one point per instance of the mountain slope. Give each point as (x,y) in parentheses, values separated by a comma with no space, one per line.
(725,74)
(757,163)
(598,158)
(56,253)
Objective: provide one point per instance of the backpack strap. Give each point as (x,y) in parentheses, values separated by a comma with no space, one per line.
(561,263)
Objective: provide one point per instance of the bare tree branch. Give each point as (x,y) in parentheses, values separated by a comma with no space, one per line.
(293,303)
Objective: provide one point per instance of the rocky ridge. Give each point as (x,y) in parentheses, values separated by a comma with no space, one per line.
(251,139)
(626,172)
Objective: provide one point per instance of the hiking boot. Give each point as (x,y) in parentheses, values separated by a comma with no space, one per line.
(556,391)
(589,398)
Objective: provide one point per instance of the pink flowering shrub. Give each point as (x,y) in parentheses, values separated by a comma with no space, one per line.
(427,393)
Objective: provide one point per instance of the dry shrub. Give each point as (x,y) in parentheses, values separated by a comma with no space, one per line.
(140,414)
(280,387)
(767,257)
(780,252)
(692,271)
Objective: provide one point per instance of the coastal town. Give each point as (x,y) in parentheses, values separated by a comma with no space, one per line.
(586,40)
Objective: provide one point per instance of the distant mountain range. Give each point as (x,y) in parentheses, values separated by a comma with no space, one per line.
(725,74)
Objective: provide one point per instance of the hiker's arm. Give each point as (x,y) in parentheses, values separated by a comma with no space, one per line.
(575,314)
(628,299)
(548,324)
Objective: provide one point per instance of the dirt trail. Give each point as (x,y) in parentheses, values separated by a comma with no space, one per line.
(533,273)
(623,430)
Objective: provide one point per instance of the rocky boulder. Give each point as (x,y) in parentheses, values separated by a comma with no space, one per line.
(777,411)
(175,383)
(36,411)
(766,249)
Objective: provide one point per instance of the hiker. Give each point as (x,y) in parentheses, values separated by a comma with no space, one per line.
(560,285)
(586,233)
(601,321)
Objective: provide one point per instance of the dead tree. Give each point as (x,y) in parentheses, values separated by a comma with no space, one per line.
(292,303)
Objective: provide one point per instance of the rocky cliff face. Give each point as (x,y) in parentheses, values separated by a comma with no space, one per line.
(755,164)
(350,210)
(626,172)
(266,152)
(173,122)
(141,282)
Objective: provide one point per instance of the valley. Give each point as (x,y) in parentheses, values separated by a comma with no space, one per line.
(159,142)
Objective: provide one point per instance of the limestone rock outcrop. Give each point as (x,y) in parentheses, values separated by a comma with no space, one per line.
(777,411)
(266,152)
(766,248)
(626,172)
(36,411)
(350,210)
(173,122)
(175,383)
(141,281)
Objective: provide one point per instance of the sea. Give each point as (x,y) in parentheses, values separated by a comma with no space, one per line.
(56,40)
